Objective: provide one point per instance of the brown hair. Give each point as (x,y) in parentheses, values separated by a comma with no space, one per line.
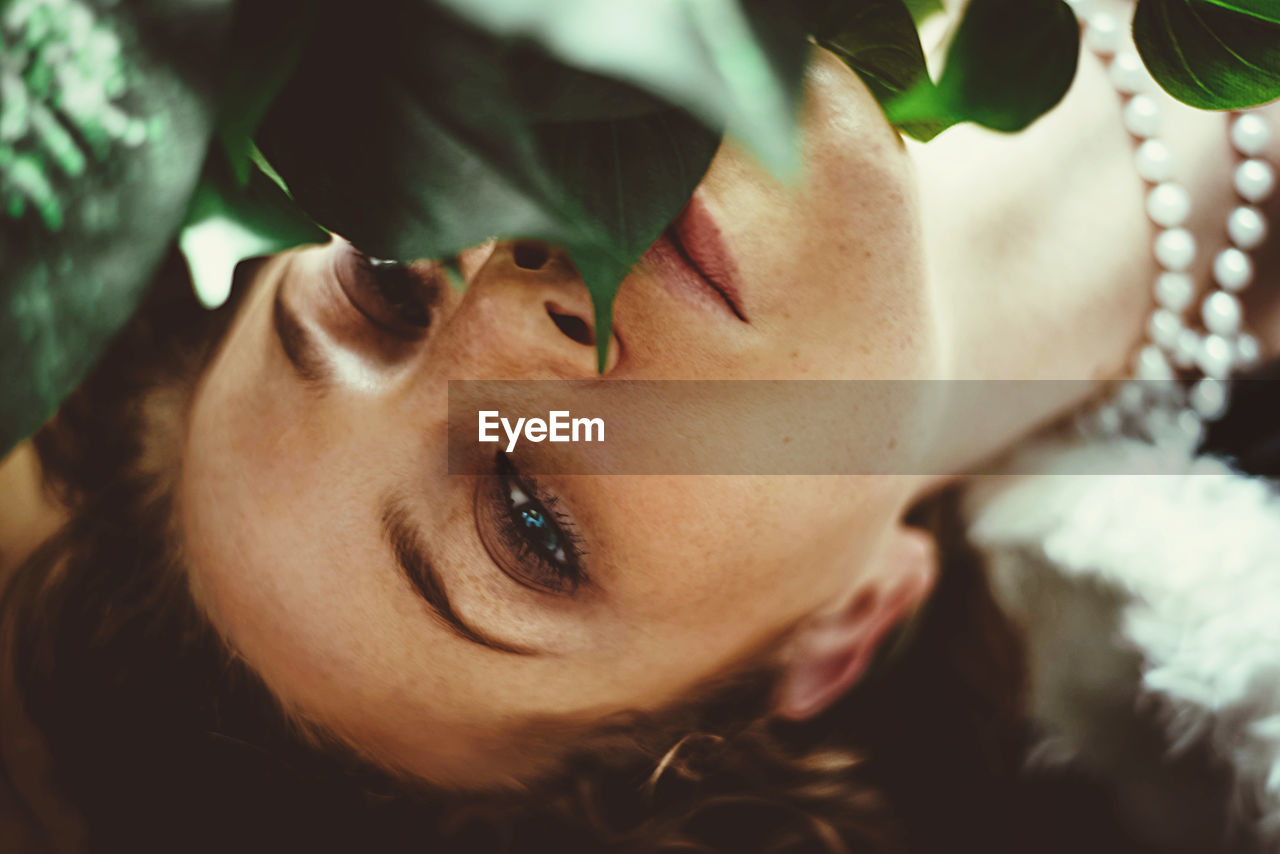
(164,740)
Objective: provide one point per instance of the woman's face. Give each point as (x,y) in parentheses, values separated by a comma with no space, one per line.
(439,622)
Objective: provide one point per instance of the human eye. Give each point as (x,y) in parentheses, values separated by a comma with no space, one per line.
(396,298)
(526,533)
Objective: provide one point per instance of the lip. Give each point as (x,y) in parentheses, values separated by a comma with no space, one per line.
(691,259)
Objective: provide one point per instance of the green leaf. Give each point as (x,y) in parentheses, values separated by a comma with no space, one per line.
(69,286)
(1011,61)
(879,41)
(1209,56)
(711,57)
(922,10)
(231,219)
(1267,10)
(418,135)
(263,48)
(621,182)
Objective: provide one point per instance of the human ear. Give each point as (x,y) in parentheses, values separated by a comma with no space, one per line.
(830,653)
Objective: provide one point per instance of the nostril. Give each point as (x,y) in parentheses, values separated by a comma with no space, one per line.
(530,256)
(571,325)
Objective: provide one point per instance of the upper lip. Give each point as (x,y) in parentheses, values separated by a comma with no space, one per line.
(697,239)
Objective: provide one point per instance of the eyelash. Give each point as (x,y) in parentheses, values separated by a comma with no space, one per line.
(531,565)
(393,297)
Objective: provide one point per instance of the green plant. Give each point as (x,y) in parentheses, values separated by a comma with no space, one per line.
(233,125)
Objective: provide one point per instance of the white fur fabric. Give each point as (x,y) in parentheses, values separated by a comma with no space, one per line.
(1124,561)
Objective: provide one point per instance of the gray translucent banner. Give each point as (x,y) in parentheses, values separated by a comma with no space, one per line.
(753,427)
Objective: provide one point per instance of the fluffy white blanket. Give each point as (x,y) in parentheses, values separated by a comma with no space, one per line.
(1149,586)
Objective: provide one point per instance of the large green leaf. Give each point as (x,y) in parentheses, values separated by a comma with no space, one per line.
(711,57)
(263,47)
(879,41)
(1010,62)
(1208,55)
(416,134)
(94,188)
(1267,10)
(626,178)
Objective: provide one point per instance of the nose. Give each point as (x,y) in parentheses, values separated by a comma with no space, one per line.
(529,314)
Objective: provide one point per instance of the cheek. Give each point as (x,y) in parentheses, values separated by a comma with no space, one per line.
(840,274)
(864,247)
(265,551)
(727,563)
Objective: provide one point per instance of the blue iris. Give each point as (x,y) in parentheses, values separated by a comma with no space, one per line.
(534,519)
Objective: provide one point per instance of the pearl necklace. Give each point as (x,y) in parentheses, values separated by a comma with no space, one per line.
(1154,405)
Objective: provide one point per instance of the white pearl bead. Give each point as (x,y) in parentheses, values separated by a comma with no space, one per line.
(1248,350)
(1233,269)
(1188,348)
(1191,427)
(1255,180)
(1215,357)
(1168,204)
(1182,429)
(1154,161)
(1164,327)
(1159,425)
(1142,116)
(1131,398)
(1209,398)
(1250,134)
(1175,249)
(1247,227)
(1174,291)
(1108,420)
(1102,34)
(1128,74)
(1151,366)
(1221,313)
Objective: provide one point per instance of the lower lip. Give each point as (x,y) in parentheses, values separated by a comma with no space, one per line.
(685,281)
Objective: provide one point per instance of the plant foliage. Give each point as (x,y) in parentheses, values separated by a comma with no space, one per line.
(97,166)
(419,127)
(1222,54)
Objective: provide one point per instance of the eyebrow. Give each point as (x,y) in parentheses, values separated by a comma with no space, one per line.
(411,556)
(298,343)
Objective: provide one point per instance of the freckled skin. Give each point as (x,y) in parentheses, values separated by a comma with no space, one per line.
(283,538)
